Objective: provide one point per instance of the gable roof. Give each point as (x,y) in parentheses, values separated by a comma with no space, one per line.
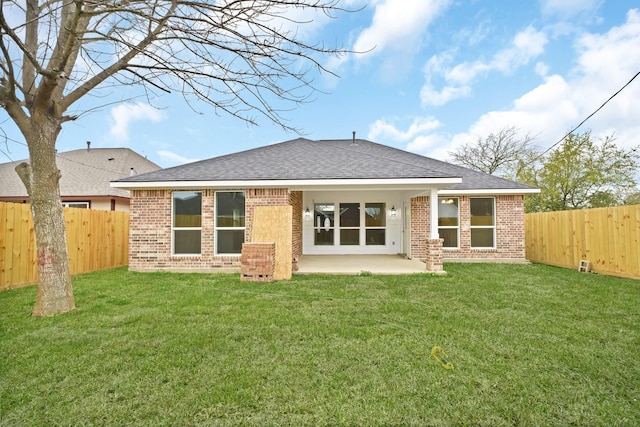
(304,160)
(85,172)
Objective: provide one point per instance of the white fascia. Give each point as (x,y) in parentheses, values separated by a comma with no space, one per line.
(489,192)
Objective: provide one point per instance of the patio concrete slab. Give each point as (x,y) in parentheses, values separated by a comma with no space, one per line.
(356,264)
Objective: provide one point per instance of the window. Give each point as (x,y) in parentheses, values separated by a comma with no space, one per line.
(82,205)
(230,222)
(349,224)
(449,221)
(483,222)
(375,223)
(323,224)
(186,224)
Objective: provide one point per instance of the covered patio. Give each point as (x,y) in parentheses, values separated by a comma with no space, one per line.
(357,264)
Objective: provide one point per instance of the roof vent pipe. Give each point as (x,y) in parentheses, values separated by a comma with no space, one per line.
(132,172)
(353,141)
(88,145)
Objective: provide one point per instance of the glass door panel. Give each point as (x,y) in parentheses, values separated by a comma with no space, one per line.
(375,223)
(324,224)
(349,224)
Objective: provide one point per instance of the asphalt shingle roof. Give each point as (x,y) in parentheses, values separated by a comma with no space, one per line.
(84,172)
(304,159)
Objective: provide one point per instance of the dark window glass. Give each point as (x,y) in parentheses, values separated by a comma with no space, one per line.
(230,221)
(482,222)
(448,221)
(187,222)
(376,214)
(376,237)
(187,209)
(323,224)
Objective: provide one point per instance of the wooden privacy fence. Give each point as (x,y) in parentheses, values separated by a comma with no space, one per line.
(95,239)
(608,238)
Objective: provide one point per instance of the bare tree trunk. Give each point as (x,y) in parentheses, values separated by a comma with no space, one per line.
(41,177)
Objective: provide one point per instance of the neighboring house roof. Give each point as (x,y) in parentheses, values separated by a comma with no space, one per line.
(85,172)
(324,160)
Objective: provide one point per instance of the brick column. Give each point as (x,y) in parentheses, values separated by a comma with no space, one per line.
(257,262)
(434,256)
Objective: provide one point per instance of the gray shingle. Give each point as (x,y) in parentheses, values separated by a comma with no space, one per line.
(84,172)
(303,159)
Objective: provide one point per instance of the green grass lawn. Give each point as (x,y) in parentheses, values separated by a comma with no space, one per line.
(531,345)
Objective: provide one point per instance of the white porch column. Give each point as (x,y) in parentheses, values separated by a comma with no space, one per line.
(433,214)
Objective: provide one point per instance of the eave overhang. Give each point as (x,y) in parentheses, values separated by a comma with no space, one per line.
(488,192)
(297,185)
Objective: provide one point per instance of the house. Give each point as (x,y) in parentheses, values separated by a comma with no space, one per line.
(347,197)
(85,178)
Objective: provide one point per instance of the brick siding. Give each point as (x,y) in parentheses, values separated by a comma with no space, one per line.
(295,200)
(150,230)
(509,230)
(419,226)
(434,255)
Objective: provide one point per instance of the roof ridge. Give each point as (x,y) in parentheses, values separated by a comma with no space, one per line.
(404,153)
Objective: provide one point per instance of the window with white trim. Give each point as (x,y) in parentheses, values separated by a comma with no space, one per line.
(81,205)
(230,222)
(449,221)
(186,223)
(483,222)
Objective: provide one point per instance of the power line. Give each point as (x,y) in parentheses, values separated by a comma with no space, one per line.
(588,117)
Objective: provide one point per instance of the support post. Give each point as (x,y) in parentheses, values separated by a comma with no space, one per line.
(434,243)
(434,256)
(433,214)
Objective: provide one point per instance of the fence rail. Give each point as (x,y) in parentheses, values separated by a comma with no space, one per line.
(609,238)
(95,240)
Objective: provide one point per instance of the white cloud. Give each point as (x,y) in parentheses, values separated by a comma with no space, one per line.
(395,22)
(383,129)
(525,46)
(430,96)
(169,158)
(542,69)
(568,8)
(123,115)
(544,113)
(604,63)
(395,34)
(424,143)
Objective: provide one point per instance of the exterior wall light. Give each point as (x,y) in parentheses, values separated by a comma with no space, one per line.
(307,213)
(393,210)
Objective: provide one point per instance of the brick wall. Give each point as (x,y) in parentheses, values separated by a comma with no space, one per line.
(150,230)
(434,255)
(509,230)
(419,226)
(295,200)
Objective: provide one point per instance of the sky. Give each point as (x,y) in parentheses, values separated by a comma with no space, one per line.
(428,76)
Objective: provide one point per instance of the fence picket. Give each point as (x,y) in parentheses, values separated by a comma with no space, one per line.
(95,240)
(607,237)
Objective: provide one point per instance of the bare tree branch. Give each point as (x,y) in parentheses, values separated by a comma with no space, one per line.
(497,153)
(242,57)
